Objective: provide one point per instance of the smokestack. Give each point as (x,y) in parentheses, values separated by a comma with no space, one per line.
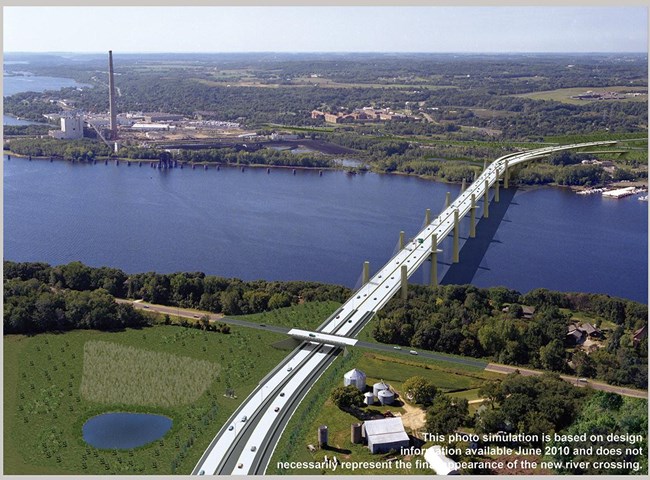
(111,97)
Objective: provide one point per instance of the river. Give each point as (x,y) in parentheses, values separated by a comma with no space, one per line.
(281,226)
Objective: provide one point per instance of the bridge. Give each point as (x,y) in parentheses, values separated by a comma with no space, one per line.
(246,442)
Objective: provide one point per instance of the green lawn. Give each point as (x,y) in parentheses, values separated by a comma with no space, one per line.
(45,407)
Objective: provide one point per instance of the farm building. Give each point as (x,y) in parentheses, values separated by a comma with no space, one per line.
(386,434)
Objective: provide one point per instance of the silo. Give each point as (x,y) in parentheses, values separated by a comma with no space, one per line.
(322,436)
(368,398)
(378,387)
(386,397)
(355,377)
(355,433)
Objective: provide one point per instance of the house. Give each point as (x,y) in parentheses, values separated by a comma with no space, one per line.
(574,336)
(589,329)
(640,334)
(386,434)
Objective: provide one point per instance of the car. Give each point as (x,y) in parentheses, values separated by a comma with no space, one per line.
(202,472)
(413,352)
(253,448)
(231,428)
(312,335)
(195,316)
(241,465)
(397,347)
(262,324)
(145,306)
(282,394)
(276,409)
(289,369)
(244,418)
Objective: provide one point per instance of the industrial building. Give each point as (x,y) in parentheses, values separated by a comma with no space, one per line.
(72,127)
(386,434)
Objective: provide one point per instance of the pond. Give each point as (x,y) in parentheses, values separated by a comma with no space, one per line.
(124,430)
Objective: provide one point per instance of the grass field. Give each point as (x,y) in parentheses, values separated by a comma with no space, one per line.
(317,409)
(564,94)
(44,408)
(307,315)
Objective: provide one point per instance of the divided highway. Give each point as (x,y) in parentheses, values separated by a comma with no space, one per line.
(245,444)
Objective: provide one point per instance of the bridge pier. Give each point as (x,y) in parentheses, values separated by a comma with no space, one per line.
(472,217)
(463,185)
(404,282)
(448,200)
(434,261)
(427,216)
(366,272)
(456,238)
(506,176)
(496,188)
(401,239)
(486,200)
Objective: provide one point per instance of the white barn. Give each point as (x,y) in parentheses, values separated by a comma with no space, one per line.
(386,434)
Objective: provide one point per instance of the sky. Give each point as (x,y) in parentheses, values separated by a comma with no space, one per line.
(325,29)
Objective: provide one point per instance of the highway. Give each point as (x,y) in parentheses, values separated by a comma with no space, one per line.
(256,425)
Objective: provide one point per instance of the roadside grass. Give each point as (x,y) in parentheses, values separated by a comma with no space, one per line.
(317,409)
(44,409)
(307,315)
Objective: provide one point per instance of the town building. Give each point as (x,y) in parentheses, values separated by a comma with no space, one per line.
(72,127)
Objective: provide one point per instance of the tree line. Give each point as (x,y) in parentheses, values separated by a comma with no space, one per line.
(230,296)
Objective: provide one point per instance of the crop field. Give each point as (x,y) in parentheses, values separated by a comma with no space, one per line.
(45,405)
(114,373)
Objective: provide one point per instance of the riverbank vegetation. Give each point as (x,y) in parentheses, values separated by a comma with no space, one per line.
(39,297)
(469,321)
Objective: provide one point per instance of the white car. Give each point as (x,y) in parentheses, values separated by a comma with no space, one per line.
(413,352)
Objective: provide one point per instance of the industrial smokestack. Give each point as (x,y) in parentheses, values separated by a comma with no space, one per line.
(111,97)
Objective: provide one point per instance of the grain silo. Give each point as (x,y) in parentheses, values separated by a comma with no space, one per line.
(355,433)
(322,436)
(355,377)
(368,398)
(378,387)
(386,397)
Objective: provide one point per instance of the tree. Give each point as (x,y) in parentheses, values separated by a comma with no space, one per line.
(419,390)
(347,398)
(552,356)
(446,415)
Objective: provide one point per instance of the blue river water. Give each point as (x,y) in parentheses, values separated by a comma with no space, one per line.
(281,226)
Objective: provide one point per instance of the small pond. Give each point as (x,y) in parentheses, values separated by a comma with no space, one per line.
(124,430)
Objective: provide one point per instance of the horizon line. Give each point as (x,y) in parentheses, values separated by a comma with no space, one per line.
(102,52)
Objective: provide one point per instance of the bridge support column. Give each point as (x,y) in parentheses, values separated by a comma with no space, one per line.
(496,188)
(472,217)
(447,199)
(475,175)
(463,185)
(427,217)
(366,272)
(404,282)
(506,176)
(486,200)
(456,238)
(434,261)
(401,239)
(485,164)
